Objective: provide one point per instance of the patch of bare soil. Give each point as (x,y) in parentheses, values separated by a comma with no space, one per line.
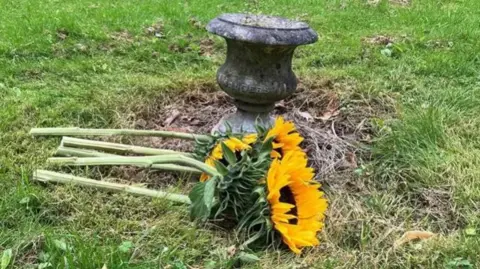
(438,205)
(207,47)
(378,40)
(334,119)
(62,34)
(195,110)
(156,29)
(385,39)
(122,36)
(29,251)
(402,3)
(334,129)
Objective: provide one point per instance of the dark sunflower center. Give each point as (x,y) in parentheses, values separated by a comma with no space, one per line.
(286,196)
(279,150)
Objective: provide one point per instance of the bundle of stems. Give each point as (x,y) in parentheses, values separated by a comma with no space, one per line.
(84,152)
(170,161)
(77,147)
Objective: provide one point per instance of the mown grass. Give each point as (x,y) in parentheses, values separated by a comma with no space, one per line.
(87,63)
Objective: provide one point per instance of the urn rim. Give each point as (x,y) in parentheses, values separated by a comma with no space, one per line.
(262,29)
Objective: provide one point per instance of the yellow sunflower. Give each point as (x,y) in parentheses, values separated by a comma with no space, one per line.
(296,203)
(250,138)
(234,144)
(295,165)
(286,138)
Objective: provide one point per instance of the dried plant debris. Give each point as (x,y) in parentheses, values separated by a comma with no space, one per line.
(402,3)
(156,29)
(333,134)
(379,40)
(122,36)
(207,47)
(62,33)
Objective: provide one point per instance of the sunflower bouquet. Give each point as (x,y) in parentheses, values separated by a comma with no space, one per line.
(264,187)
(260,184)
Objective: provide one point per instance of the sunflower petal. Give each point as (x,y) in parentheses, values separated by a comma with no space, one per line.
(291,170)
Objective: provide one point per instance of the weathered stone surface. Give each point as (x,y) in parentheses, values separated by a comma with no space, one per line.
(262,29)
(258,69)
(243,122)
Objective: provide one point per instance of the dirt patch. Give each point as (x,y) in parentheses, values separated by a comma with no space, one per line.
(207,46)
(199,109)
(335,119)
(438,206)
(393,2)
(333,127)
(156,29)
(122,36)
(179,48)
(62,34)
(32,74)
(29,251)
(401,2)
(379,40)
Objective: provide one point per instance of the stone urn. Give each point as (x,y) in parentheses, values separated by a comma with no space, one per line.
(258,68)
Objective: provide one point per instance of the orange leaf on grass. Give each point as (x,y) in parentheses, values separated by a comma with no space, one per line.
(412,235)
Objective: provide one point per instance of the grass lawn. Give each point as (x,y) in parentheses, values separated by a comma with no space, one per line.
(95,63)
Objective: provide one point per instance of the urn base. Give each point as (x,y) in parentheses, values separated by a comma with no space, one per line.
(243,122)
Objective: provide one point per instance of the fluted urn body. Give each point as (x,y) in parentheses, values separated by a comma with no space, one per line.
(258,68)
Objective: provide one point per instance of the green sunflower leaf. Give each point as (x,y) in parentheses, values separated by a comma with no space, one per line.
(266,148)
(260,129)
(209,192)
(228,127)
(202,197)
(228,154)
(221,168)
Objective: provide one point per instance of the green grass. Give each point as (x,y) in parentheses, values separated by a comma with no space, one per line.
(425,157)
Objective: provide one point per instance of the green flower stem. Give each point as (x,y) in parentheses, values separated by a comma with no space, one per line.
(148,161)
(49,176)
(114,147)
(75,131)
(65,151)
